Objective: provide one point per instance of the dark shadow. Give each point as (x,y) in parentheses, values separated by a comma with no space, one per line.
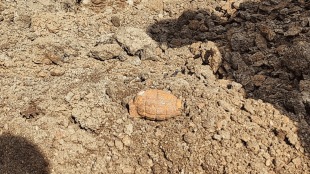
(265,47)
(18,155)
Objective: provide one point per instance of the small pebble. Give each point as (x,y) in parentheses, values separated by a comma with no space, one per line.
(118,144)
(217,137)
(116,21)
(126,140)
(128,129)
(69,96)
(57,72)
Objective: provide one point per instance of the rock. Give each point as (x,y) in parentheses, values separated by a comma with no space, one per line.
(128,169)
(217,137)
(189,137)
(134,60)
(258,79)
(135,41)
(211,55)
(241,42)
(304,85)
(248,107)
(267,32)
(128,129)
(85,1)
(225,134)
(194,24)
(69,96)
(155,5)
(297,162)
(225,105)
(126,140)
(293,31)
(116,21)
(106,51)
(179,86)
(297,58)
(292,138)
(268,162)
(118,144)
(117,91)
(260,42)
(53,58)
(57,72)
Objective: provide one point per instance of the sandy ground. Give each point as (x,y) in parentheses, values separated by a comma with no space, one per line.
(69,68)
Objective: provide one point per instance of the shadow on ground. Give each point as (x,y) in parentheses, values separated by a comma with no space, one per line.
(18,155)
(265,46)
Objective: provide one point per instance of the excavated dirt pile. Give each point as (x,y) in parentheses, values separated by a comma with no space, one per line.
(68,70)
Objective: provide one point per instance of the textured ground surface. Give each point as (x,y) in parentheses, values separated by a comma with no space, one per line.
(68,70)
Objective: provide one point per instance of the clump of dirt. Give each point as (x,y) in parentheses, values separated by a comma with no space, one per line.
(69,69)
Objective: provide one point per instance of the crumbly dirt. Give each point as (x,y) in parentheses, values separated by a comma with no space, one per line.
(69,68)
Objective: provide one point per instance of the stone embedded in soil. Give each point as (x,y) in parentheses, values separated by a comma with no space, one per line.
(57,72)
(128,129)
(115,21)
(135,40)
(126,140)
(53,57)
(293,31)
(225,105)
(225,134)
(267,31)
(106,51)
(248,107)
(118,144)
(240,41)
(211,55)
(155,5)
(134,60)
(217,137)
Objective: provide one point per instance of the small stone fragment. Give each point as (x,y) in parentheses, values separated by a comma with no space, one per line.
(267,32)
(69,96)
(189,137)
(54,58)
(134,60)
(260,42)
(211,55)
(118,144)
(42,74)
(297,162)
(128,129)
(226,106)
(217,137)
(225,134)
(126,140)
(134,39)
(241,42)
(292,138)
(115,21)
(194,25)
(57,72)
(258,79)
(293,31)
(248,107)
(106,51)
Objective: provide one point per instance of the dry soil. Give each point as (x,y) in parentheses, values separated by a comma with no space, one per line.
(69,68)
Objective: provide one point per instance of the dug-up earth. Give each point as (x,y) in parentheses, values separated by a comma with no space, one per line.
(69,68)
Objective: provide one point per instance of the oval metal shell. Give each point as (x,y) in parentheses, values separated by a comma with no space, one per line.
(155,104)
